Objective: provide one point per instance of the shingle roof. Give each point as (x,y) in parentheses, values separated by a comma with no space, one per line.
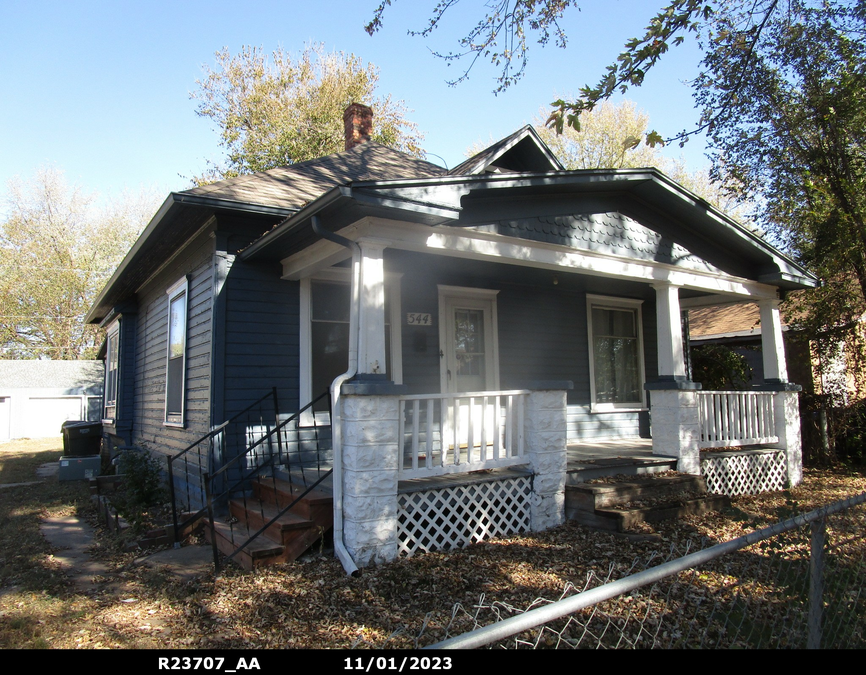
(295,185)
(705,322)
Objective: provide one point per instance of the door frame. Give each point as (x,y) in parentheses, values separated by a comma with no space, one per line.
(484,298)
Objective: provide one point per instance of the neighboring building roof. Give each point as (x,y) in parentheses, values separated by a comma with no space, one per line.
(295,185)
(706,323)
(36,374)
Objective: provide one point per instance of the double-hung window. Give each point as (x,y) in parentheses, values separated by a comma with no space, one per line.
(112,358)
(615,353)
(175,374)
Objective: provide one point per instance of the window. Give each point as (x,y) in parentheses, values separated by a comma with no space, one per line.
(176,356)
(325,333)
(615,353)
(111,371)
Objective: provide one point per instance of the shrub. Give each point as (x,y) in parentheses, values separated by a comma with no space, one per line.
(142,486)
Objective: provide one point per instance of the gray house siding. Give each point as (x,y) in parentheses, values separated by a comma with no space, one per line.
(261,337)
(542,330)
(149,428)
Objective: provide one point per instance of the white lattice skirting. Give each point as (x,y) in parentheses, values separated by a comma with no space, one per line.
(744,473)
(451,517)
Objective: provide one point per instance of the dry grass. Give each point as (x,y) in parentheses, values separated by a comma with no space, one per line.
(313,603)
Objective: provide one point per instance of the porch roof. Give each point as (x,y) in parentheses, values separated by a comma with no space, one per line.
(646,195)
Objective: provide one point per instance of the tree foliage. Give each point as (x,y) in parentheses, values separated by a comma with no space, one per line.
(612,137)
(279,109)
(793,134)
(56,252)
(501,35)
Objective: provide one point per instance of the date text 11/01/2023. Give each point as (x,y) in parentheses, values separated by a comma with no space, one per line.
(381,663)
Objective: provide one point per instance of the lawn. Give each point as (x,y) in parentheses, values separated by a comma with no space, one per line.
(313,603)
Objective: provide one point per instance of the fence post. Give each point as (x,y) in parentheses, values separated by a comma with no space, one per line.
(816,582)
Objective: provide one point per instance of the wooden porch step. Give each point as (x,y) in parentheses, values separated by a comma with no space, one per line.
(316,505)
(619,506)
(591,496)
(260,551)
(621,520)
(253,514)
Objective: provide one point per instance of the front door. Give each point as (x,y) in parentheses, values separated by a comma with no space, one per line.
(469,363)
(468,340)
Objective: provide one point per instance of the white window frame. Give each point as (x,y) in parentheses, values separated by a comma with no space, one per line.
(344,276)
(181,287)
(112,337)
(607,302)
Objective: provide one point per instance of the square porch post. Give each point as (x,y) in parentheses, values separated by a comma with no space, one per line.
(546,429)
(786,401)
(370,452)
(371,317)
(674,409)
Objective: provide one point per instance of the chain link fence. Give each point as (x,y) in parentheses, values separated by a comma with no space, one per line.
(797,584)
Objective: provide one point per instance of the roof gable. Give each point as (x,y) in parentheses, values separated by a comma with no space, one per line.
(523,151)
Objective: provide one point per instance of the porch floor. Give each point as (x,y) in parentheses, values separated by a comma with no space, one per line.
(592,459)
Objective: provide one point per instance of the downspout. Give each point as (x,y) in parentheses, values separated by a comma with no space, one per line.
(336,425)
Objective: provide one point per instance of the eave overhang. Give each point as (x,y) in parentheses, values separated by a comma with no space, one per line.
(644,194)
(180,216)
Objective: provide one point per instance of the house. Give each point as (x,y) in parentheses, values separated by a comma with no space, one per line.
(738,327)
(405,324)
(38,396)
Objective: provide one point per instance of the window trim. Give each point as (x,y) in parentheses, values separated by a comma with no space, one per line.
(112,336)
(181,287)
(608,302)
(343,275)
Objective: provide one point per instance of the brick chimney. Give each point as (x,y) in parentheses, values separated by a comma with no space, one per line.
(358,124)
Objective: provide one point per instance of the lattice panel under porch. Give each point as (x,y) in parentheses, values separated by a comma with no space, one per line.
(744,474)
(454,516)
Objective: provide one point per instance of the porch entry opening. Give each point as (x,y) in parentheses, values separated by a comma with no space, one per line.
(469,362)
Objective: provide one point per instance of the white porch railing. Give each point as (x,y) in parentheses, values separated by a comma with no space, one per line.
(735,418)
(458,433)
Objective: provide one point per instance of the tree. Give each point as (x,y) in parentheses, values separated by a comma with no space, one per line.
(794,135)
(611,137)
(501,35)
(279,110)
(56,252)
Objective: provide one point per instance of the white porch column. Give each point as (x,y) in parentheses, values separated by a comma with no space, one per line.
(371,319)
(669,330)
(546,429)
(772,345)
(370,450)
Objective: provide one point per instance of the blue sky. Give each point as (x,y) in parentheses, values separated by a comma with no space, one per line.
(101,88)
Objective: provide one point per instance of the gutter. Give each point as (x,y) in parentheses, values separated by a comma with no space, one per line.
(336,426)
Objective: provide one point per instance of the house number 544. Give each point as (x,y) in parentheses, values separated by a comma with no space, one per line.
(416,319)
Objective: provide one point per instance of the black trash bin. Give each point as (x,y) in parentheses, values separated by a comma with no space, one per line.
(81,439)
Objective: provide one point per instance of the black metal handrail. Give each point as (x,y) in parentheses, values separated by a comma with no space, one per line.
(206,443)
(256,474)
